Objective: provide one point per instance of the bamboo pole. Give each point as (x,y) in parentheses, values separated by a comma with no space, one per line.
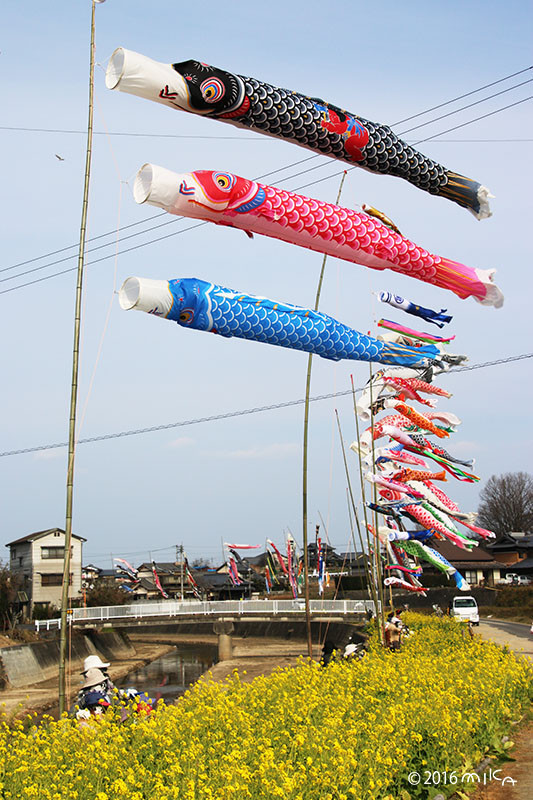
(376,523)
(367,532)
(304,457)
(368,572)
(74,383)
(354,545)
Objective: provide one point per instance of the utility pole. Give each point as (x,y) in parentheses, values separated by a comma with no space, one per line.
(179,557)
(74,385)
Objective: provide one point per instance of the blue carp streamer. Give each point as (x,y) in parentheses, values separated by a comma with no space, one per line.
(194,303)
(436,317)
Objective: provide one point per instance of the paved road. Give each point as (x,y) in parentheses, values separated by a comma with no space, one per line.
(519,629)
(515,635)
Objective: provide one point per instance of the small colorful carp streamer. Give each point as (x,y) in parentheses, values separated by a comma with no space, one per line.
(427,553)
(204,306)
(438,318)
(227,199)
(307,121)
(410,333)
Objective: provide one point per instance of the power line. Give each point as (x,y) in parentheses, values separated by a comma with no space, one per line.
(470,105)
(129,133)
(462,96)
(309,158)
(242,413)
(71,246)
(484,116)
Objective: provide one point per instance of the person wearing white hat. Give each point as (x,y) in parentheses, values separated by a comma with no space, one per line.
(94,689)
(95,661)
(92,663)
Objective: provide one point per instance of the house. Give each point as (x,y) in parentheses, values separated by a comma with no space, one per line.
(170,576)
(38,559)
(511,548)
(217,585)
(478,566)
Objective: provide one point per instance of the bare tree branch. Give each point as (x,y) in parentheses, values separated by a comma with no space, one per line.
(506,503)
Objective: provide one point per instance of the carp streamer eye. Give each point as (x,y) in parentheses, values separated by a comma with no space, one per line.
(212,90)
(224,180)
(187,316)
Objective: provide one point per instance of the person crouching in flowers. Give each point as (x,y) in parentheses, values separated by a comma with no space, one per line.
(393,633)
(93,695)
(327,652)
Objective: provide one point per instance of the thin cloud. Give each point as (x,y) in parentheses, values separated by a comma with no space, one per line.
(277,450)
(48,455)
(183,441)
(463,448)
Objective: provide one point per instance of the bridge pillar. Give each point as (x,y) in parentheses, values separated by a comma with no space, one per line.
(224,628)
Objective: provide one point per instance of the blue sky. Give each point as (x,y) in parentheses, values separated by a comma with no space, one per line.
(240,478)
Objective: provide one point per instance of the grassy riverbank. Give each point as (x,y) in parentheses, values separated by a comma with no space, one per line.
(346,731)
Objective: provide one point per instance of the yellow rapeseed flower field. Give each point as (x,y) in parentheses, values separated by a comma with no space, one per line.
(344,732)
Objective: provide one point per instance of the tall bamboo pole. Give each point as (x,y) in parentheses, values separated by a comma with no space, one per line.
(304,458)
(74,384)
(368,572)
(361,473)
(376,523)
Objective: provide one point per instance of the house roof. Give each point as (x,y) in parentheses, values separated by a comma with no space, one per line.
(507,543)
(31,537)
(526,563)
(161,566)
(215,580)
(477,557)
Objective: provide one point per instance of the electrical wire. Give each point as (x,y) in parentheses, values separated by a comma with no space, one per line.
(463,108)
(242,413)
(462,96)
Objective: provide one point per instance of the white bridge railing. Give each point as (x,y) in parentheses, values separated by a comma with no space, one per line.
(217,608)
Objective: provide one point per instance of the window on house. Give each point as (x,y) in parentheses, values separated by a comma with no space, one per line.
(57,533)
(53,552)
(13,554)
(20,561)
(53,579)
(471,576)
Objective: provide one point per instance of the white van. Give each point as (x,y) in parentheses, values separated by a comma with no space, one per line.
(465,609)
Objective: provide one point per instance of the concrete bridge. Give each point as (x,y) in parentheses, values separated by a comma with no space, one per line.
(161,612)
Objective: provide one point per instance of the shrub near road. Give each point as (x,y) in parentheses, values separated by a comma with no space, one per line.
(351,730)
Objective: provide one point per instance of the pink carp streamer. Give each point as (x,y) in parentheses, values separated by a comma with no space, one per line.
(424,337)
(228,199)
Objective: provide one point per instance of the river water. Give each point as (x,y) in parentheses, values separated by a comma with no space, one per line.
(169,676)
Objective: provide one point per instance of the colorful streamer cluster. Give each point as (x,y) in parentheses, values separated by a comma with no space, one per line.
(409,495)
(399,471)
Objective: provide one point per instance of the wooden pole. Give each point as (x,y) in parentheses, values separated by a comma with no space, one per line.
(368,572)
(376,523)
(304,459)
(74,385)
